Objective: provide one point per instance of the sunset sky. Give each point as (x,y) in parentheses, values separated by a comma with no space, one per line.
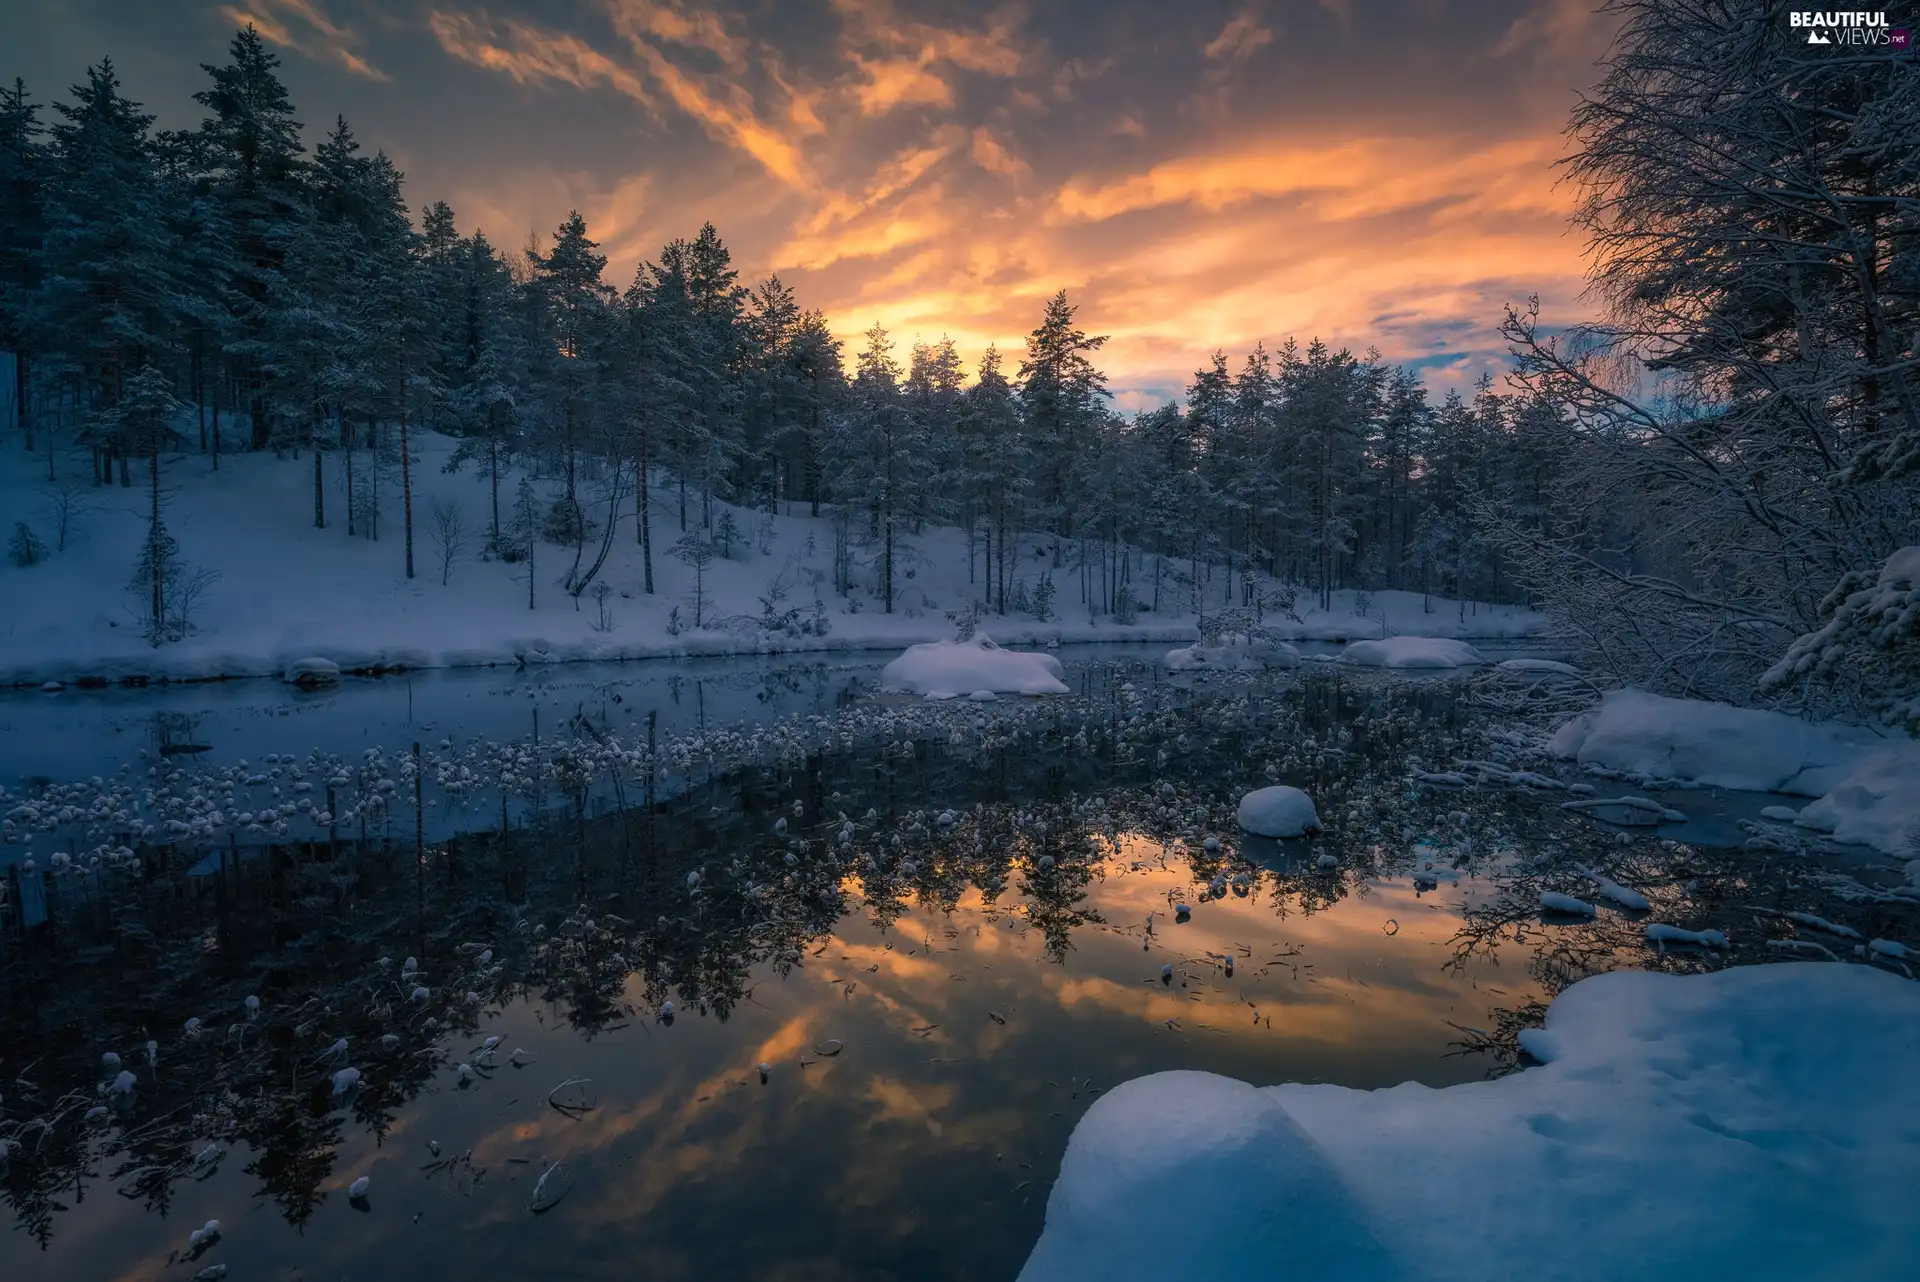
(1196,174)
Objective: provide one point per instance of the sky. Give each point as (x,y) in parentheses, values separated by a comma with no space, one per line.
(1197,175)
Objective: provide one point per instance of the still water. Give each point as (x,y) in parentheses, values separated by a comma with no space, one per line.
(905,947)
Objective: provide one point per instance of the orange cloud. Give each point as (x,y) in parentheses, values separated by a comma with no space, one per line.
(531,55)
(321,39)
(994,158)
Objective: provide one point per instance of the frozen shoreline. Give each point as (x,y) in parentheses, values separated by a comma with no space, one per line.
(288,592)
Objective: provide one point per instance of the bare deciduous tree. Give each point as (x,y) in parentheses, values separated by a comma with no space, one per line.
(447,529)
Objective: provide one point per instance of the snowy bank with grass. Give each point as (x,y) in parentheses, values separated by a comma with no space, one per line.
(281,592)
(1756,1123)
(950,669)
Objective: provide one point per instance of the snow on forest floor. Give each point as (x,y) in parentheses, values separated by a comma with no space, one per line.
(288,592)
(1752,1122)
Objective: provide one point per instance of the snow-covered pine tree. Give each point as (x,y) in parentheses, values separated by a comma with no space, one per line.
(1061,394)
(996,476)
(110,286)
(251,149)
(26,171)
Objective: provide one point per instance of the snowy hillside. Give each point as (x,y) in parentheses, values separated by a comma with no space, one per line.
(286,591)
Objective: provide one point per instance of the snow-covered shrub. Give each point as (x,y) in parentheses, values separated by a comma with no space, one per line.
(1043,598)
(726,532)
(601,593)
(674,626)
(567,523)
(25,547)
(1867,650)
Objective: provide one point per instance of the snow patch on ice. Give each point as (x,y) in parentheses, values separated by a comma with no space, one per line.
(1752,1121)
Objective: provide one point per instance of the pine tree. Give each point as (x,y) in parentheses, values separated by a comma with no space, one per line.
(25,176)
(567,282)
(110,255)
(1060,392)
(996,466)
(252,149)
(142,417)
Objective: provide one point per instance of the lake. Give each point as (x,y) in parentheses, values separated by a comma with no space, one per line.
(942,928)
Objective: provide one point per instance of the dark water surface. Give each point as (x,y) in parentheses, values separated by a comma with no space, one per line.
(939,984)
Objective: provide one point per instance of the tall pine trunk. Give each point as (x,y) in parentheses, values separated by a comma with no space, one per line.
(319,484)
(644,508)
(156,560)
(493,474)
(406,463)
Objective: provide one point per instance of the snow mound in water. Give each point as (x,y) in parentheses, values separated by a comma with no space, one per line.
(1752,1122)
(1412,652)
(950,669)
(311,672)
(1278,811)
(1656,737)
(1232,658)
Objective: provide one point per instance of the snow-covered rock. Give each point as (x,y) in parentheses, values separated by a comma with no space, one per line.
(1412,652)
(1255,657)
(1877,803)
(1278,811)
(311,671)
(1656,737)
(1754,1122)
(952,668)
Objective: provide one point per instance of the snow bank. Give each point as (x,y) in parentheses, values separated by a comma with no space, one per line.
(1655,737)
(949,669)
(1232,658)
(1877,803)
(1538,668)
(1753,1122)
(1278,811)
(1412,652)
(287,591)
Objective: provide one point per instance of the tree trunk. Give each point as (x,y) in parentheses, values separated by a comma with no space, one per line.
(319,486)
(644,509)
(493,475)
(406,466)
(155,560)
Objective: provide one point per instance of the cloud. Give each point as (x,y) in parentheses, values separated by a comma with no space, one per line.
(1238,39)
(994,158)
(531,55)
(901,62)
(318,36)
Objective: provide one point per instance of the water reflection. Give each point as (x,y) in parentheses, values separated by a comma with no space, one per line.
(983,918)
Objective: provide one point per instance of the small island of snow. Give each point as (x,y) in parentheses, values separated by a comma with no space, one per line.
(1412,652)
(970,668)
(1278,811)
